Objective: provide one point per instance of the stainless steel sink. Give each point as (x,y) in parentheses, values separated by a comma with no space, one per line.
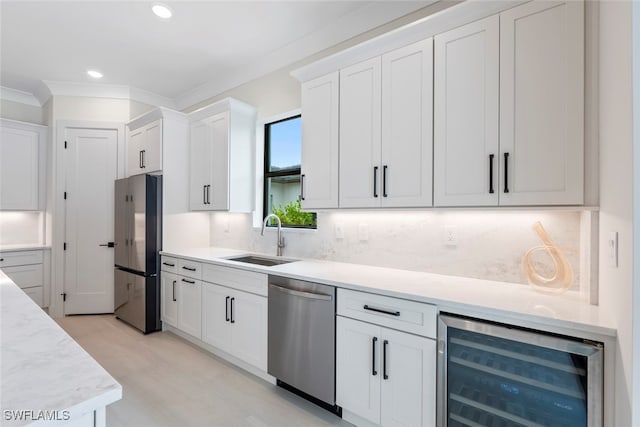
(267,262)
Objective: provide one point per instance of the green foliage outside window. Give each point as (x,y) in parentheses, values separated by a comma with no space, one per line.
(291,215)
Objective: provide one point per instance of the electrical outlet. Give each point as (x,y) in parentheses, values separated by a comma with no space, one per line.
(612,249)
(451,235)
(339,230)
(225,225)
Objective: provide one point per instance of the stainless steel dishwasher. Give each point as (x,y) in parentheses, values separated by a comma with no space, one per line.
(301,346)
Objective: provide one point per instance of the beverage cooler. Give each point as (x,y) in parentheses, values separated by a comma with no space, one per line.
(498,376)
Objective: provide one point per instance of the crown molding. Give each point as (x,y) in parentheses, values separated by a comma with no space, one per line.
(46,89)
(14,95)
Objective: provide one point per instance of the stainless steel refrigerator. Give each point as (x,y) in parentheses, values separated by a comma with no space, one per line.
(138,240)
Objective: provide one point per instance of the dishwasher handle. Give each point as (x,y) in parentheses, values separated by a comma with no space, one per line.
(309,295)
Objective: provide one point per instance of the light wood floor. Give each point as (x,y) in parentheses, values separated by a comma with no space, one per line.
(167,381)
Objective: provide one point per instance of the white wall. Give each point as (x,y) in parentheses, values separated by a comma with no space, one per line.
(636,214)
(616,188)
(21,228)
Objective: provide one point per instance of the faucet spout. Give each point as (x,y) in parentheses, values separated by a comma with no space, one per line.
(280,243)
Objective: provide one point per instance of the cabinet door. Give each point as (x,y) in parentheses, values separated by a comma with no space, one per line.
(407,115)
(249,328)
(200,167)
(320,142)
(408,391)
(19,173)
(152,147)
(360,167)
(190,306)
(169,300)
(218,135)
(358,368)
(216,317)
(135,143)
(541,103)
(465,144)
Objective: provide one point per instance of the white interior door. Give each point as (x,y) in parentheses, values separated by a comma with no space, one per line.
(91,168)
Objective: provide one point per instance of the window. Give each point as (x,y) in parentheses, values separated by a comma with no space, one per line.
(282,160)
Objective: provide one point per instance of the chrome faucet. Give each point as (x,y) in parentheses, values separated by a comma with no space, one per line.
(280,238)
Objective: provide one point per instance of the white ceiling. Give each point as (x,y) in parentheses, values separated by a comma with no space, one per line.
(206,48)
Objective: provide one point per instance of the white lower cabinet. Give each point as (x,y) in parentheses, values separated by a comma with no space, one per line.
(385,376)
(180,304)
(189,295)
(29,270)
(235,322)
(169,302)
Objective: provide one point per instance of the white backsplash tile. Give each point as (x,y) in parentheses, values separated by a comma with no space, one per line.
(17,228)
(490,244)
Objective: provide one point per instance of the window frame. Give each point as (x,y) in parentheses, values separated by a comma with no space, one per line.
(266,173)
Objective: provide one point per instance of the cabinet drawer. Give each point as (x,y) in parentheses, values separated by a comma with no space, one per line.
(190,269)
(248,281)
(36,293)
(8,259)
(169,264)
(408,316)
(25,276)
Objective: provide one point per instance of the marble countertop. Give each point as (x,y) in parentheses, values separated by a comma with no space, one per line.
(43,368)
(499,301)
(24,247)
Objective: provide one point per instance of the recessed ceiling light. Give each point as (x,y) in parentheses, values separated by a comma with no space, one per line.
(94,74)
(162,11)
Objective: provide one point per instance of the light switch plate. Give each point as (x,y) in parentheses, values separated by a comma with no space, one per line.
(339,230)
(612,249)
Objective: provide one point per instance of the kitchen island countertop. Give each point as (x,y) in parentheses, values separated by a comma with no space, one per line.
(47,378)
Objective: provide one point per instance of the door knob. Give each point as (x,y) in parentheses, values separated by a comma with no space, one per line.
(108,244)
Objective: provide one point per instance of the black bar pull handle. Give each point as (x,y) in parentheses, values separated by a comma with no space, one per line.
(143,152)
(506,172)
(189,281)
(491,156)
(204,194)
(385,343)
(189,268)
(209,194)
(384,181)
(233,320)
(302,187)
(375,181)
(381,310)
(140,159)
(168,264)
(174,291)
(373,356)
(226,309)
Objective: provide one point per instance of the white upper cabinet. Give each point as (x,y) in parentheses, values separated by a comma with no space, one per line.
(22,155)
(541,104)
(144,148)
(222,157)
(407,117)
(385,129)
(319,187)
(466,115)
(479,105)
(360,135)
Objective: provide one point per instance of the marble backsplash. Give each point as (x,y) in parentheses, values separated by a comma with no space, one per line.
(490,244)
